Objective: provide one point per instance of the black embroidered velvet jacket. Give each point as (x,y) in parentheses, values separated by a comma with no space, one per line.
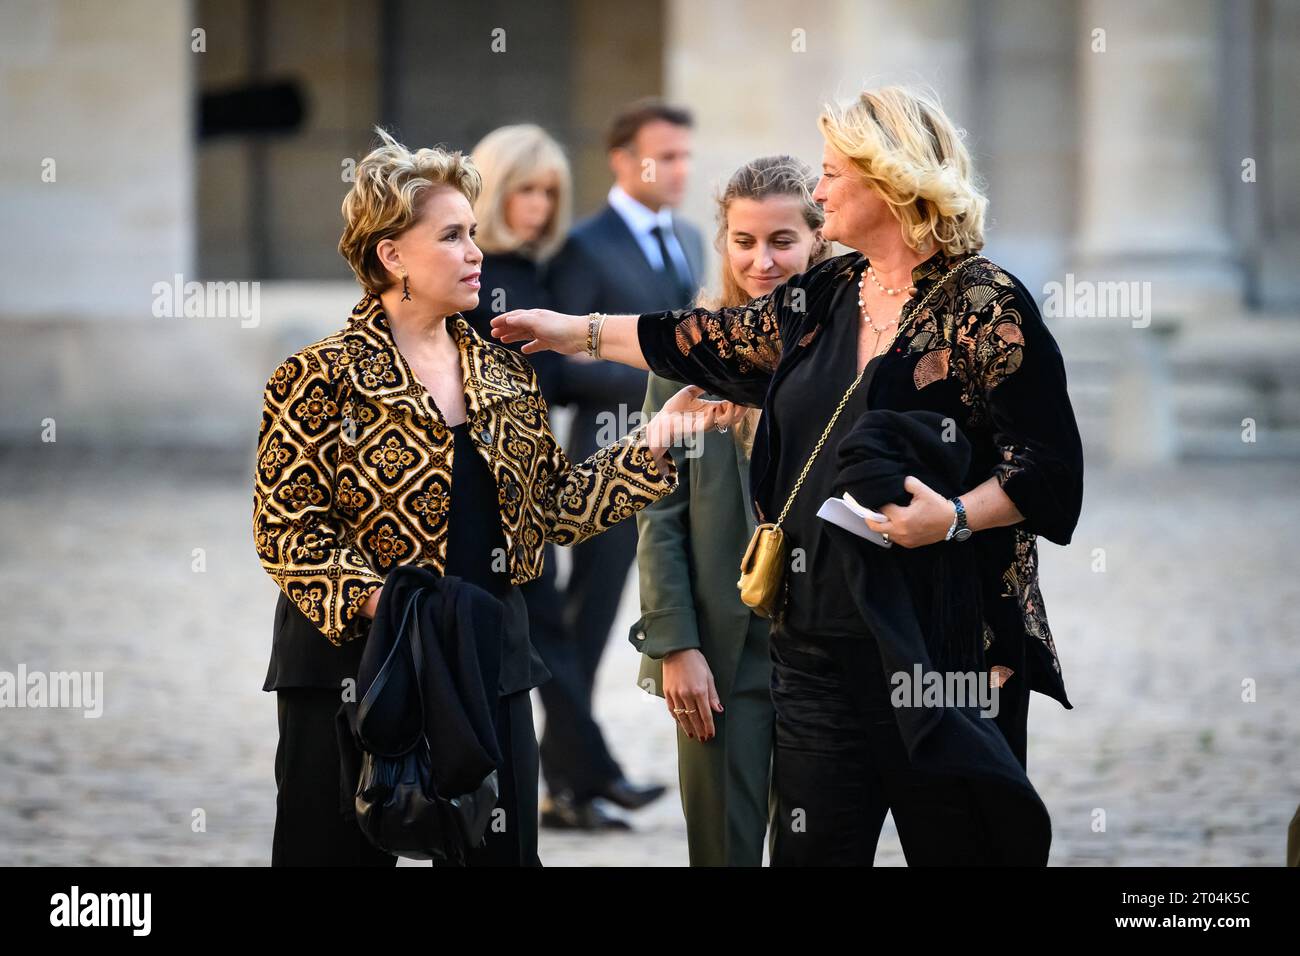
(354,467)
(978,353)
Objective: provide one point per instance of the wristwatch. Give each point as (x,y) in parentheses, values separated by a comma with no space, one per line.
(960,530)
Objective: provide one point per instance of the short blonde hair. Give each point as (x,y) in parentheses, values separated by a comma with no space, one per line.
(911,153)
(385,200)
(508,157)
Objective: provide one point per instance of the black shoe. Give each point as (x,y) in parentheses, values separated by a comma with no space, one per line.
(564,813)
(629,795)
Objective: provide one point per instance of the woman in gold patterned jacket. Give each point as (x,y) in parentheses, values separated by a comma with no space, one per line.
(405,437)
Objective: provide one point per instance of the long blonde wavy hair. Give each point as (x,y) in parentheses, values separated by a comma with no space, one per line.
(907,149)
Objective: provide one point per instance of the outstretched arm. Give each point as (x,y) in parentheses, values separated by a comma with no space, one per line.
(731,352)
(541,330)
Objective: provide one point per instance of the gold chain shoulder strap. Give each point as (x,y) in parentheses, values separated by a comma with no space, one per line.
(844,401)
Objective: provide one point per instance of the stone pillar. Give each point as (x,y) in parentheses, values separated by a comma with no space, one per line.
(757,73)
(96,160)
(1277,147)
(1152,206)
(1023,122)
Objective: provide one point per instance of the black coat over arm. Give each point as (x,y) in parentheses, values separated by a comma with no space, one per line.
(979,353)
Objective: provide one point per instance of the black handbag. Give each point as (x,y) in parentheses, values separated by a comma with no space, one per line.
(398,804)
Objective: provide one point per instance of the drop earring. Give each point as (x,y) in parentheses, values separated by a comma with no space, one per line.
(406,290)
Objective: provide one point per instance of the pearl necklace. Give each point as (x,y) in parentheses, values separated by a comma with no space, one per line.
(862,305)
(909,289)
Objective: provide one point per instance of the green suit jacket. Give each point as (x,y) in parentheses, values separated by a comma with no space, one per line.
(688,581)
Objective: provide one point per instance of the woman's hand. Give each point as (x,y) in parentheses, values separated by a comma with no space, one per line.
(689,687)
(923,520)
(372,603)
(540,330)
(686,413)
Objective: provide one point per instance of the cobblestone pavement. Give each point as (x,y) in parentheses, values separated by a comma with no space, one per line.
(104,572)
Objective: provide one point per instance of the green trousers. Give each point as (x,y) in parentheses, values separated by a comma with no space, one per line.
(726,782)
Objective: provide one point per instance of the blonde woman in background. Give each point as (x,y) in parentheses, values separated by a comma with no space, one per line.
(703,650)
(523,216)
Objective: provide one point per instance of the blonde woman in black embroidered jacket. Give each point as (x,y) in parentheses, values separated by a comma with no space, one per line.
(921,323)
(404,438)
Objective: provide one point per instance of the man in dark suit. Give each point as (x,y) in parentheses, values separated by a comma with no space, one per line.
(632,256)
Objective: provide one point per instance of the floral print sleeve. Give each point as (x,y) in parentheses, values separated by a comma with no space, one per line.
(730,352)
(295,528)
(582,500)
(1020,377)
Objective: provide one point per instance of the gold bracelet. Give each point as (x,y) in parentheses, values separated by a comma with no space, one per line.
(595,321)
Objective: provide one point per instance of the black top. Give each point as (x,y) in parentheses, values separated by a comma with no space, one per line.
(474,538)
(817,598)
(511,280)
(476,552)
(978,353)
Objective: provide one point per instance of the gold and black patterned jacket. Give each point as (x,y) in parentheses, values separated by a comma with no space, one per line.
(979,353)
(354,466)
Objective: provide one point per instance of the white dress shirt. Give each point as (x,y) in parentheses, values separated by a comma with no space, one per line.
(641,220)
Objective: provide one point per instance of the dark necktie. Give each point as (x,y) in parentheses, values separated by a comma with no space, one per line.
(680,283)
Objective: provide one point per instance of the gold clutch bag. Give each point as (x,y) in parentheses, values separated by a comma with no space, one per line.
(761,570)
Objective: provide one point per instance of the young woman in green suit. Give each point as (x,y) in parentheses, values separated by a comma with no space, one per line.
(702,650)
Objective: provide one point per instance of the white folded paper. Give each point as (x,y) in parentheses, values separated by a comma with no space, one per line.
(848,514)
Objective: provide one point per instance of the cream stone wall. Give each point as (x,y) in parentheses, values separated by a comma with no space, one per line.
(98,96)
(1114,162)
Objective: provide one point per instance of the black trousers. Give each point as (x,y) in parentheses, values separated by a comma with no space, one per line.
(315,824)
(575,756)
(570,632)
(840,764)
